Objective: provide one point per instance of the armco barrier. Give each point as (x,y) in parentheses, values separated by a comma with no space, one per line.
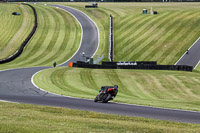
(20,50)
(111,42)
(139,65)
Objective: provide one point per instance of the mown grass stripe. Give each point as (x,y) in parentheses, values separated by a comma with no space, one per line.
(114,78)
(176,88)
(141,25)
(187,93)
(139,89)
(71,79)
(61,83)
(88,82)
(53,44)
(26,27)
(59,41)
(51,35)
(154,46)
(10,24)
(122,37)
(37,40)
(5,26)
(87,79)
(109,12)
(163,90)
(178,33)
(63,41)
(190,84)
(140,42)
(126,89)
(138,31)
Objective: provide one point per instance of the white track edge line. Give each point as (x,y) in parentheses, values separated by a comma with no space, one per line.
(197,64)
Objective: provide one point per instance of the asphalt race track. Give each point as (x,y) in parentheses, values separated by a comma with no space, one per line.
(16,85)
(193,56)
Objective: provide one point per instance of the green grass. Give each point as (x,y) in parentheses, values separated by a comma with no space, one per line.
(20,118)
(169,89)
(173,30)
(14,29)
(56,39)
(162,38)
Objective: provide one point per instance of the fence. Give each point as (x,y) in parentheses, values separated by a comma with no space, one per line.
(111,43)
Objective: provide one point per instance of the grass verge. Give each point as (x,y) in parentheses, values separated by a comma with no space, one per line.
(169,89)
(32,118)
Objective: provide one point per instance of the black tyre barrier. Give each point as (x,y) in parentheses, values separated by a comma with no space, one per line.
(90,6)
(20,50)
(133,65)
(94,5)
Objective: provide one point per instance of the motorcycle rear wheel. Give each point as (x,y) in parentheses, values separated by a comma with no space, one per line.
(96,99)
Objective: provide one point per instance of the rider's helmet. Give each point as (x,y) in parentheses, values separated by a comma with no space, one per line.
(115,87)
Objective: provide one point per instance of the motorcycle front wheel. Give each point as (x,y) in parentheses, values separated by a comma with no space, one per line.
(107,98)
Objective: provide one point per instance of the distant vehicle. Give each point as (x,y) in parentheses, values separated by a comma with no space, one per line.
(15,13)
(187,52)
(93,5)
(106,93)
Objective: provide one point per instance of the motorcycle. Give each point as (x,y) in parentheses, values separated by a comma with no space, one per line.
(106,94)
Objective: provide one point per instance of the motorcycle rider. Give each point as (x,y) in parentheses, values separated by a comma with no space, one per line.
(106,93)
(115,91)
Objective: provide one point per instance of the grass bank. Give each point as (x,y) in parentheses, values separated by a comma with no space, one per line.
(163,37)
(14,29)
(169,89)
(38,119)
(56,39)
